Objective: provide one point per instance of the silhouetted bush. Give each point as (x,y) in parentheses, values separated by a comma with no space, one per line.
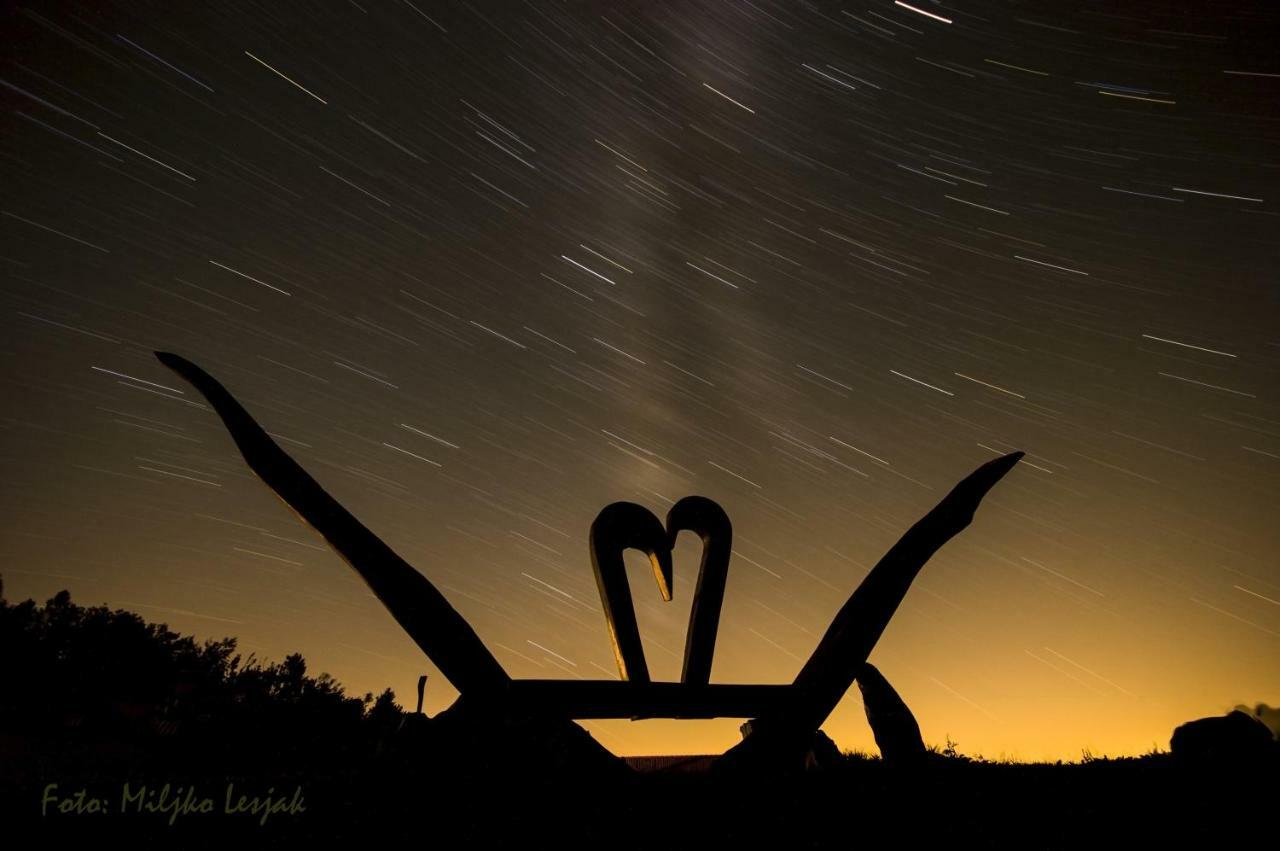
(72,671)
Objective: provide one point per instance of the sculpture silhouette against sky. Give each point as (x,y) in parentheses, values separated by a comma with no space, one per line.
(785,717)
(624,525)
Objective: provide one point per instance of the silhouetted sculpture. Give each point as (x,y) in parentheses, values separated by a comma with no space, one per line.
(895,729)
(1232,738)
(785,718)
(779,739)
(416,604)
(625,525)
(704,517)
(414,725)
(621,526)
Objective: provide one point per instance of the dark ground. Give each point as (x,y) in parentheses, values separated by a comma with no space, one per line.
(92,699)
(1141,803)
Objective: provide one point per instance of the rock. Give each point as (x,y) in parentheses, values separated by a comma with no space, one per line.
(824,754)
(1269,715)
(778,752)
(477,739)
(895,729)
(1232,738)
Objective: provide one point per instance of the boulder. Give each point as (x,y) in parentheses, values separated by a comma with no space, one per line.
(777,751)
(1231,738)
(895,729)
(1269,715)
(824,754)
(504,740)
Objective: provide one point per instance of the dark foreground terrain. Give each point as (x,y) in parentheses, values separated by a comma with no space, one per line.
(111,709)
(1141,803)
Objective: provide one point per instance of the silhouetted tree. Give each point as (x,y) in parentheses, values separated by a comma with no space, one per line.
(68,667)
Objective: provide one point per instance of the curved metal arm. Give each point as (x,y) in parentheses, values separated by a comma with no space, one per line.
(842,653)
(859,624)
(706,518)
(416,604)
(620,526)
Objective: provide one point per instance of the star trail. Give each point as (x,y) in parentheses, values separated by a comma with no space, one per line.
(485,267)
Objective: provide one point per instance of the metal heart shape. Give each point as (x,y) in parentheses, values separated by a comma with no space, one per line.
(625,525)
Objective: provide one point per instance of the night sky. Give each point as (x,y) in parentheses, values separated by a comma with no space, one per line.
(483,268)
